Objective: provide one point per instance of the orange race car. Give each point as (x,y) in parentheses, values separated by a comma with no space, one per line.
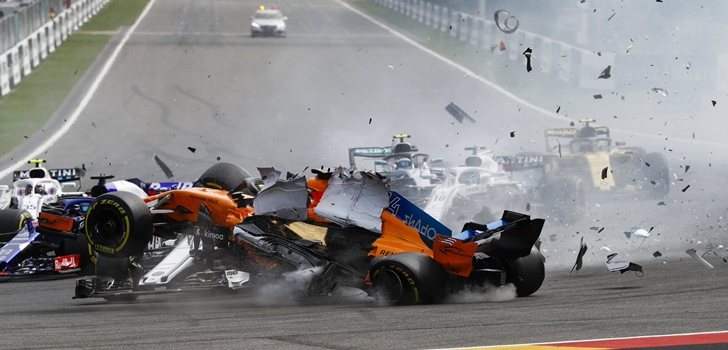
(340,229)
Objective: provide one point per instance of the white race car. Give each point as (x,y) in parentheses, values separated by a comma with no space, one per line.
(476,191)
(38,186)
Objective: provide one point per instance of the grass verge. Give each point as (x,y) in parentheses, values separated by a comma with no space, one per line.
(38,95)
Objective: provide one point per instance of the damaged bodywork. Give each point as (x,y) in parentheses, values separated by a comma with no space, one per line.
(355,234)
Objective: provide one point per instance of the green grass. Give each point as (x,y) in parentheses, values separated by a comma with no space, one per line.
(34,100)
(117,13)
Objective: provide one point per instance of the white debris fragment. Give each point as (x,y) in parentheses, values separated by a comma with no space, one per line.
(699,258)
(638,232)
(660,91)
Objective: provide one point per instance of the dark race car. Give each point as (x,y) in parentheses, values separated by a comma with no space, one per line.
(312,231)
(55,242)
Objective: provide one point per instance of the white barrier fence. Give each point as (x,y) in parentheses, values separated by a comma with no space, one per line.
(561,60)
(20,60)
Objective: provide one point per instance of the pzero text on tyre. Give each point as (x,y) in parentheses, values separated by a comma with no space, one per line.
(118,224)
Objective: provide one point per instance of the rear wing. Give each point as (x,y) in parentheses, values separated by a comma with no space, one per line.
(587,132)
(61,175)
(367,152)
(561,132)
(574,132)
(520,163)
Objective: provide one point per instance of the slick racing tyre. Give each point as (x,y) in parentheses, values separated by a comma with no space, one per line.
(657,175)
(407,279)
(12,220)
(527,273)
(118,225)
(565,196)
(224,176)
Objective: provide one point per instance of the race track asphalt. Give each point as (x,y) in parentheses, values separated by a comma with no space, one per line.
(674,297)
(190,76)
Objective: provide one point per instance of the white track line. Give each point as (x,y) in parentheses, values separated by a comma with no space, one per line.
(84,102)
(581,341)
(501,89)
(454,64)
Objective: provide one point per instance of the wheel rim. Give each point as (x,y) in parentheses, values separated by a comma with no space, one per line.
(106,227)
(388,285)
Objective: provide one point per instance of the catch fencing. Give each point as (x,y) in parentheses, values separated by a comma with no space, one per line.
(571,64)
(31,34)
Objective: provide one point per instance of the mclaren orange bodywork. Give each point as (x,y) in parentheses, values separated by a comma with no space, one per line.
(186,203)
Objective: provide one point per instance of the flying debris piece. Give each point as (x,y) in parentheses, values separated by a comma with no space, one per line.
(580,257)
(686,188)
(527,53)
(657,254)
(598,96)
(509,24)
(558,109)
(370,120)
(610,17)
(637,232)
(559,145)
(192,149)
(606,73)
(167,171)
(604,172)
(687,167)
(661,203)
(601,229)
(660,91)
(502,46)
(605,248)
(714,102)
(513,134)
(699,258)
(624,266)
(218,158)
(458,113)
